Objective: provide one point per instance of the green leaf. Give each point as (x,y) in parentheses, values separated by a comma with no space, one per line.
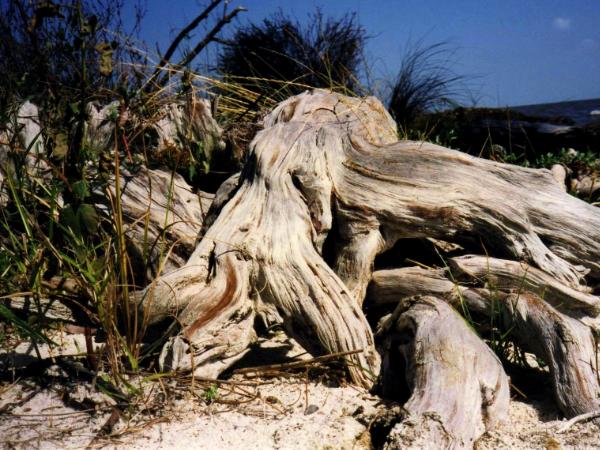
(74,108)
(98,265)
(157,376)
(81,189)
(133,362)
(88,217)
(82,219)
(192,171)
(9,316)
(68,219)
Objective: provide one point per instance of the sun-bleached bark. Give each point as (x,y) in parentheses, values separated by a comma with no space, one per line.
(327,180)
(556,328)
(458,388)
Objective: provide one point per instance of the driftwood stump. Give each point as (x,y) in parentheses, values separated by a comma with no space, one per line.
(327,187)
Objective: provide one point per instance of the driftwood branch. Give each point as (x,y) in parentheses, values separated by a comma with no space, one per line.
(210,36)
(189,57)
(53,309)
(467,272)
(577,419)
(181,36)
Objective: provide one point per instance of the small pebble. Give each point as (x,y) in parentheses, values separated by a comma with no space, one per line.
(311,409)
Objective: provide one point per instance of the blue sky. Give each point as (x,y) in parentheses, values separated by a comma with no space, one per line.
(514,52)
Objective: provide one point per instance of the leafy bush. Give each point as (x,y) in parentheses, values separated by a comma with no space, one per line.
(570,158)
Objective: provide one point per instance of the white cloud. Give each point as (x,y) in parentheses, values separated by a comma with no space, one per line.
(561,23)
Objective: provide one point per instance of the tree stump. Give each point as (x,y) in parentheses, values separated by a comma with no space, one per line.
(326,187)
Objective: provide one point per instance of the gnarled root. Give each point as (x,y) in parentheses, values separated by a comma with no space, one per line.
(457,385)
(325,160)
(556,334)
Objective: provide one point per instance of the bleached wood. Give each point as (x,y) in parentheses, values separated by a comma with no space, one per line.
(512,275)
(163,217)
(565,344)
(185,123)
(48,308)
(560,172)
(162,212)
(578,419)
(423,190)
(274,224)
(22,147)
(482,271)
(458,388)
(325,159)
(553,333)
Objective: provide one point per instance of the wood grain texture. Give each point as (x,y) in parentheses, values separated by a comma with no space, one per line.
(163,217)
(458,388)
(550,327)
(329,167)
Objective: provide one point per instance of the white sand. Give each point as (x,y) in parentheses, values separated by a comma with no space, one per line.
(284,413)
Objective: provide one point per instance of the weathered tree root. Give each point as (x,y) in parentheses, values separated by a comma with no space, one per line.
(512,275)
(464,273)
(327,180)
(325,159)
(458,387)
(565,343)
(162,216)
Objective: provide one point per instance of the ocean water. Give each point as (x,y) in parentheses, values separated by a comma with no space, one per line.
(580,111)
